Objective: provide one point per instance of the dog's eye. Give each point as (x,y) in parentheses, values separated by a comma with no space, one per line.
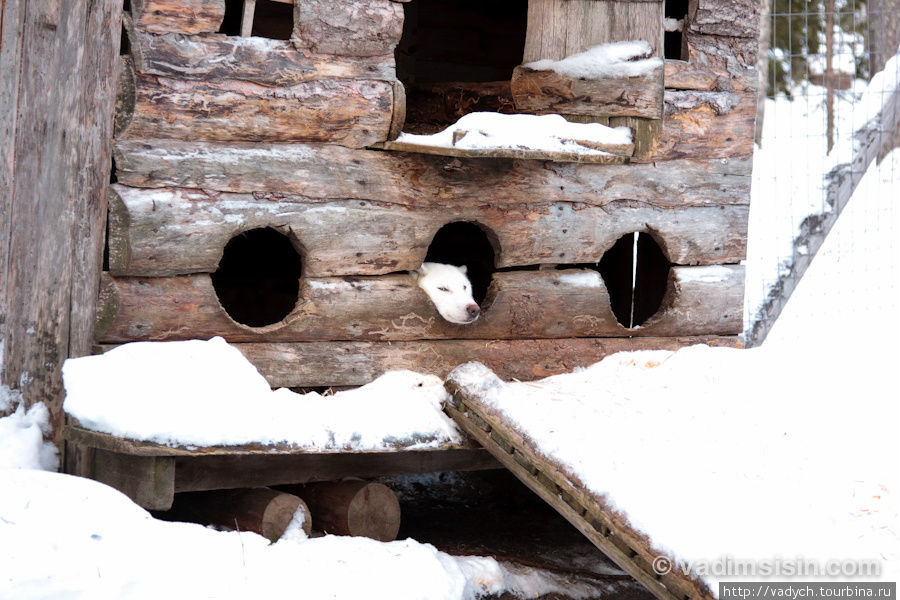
(444,289)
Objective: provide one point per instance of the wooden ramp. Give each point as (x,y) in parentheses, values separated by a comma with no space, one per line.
(604,527)
(151,474)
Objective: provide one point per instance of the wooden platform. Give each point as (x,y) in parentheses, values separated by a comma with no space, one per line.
(604,527)
(151,474)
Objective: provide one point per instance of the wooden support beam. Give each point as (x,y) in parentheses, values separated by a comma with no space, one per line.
(148,480)
(526,304)
(247,18)
(329,171)
(262,510)
(178,16)
(349,27)
(352,113)
(163,232)
(357,508)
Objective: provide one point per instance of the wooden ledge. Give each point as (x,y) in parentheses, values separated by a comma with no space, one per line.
(519,153)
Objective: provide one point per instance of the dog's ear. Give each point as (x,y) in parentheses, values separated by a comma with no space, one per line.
(464,269)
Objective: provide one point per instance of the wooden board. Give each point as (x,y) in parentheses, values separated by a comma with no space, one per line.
(348,27)
(607,158)
(181,16)
(349,112)
(526,304)
(560,28)
(604,526)
(329,171)
(56,101)
(213,57)
(543,92)
(177,231)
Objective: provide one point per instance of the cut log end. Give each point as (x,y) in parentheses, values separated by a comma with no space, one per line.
(356,508)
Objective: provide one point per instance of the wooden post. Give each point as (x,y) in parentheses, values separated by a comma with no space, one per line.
(57,96)
(262,510)
(355,508)
(247,18)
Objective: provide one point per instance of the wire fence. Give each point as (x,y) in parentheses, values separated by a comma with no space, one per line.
(831,109)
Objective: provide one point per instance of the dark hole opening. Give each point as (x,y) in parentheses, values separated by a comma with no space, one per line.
(636,274)
(457,56)
(461,243)
(258,280)
(273,20)
(673,43)
(124,43)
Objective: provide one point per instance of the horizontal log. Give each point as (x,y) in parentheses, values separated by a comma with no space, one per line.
(734,55)
(214,57)
(731,18)
(542,92)
(181,16)
(171,231)
(349,27)
(329,171)
(521,304)
(682,75)
(705,125)
(353,113)
(357,508)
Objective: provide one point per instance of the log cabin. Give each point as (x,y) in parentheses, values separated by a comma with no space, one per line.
(264,190)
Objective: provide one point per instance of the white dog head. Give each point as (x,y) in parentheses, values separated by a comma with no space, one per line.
(449,290)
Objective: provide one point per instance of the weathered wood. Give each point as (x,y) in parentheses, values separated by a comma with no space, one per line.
(560,28)
(731,18)
(353,113)
(357,508)
(56,100)
(148,480)
(176,231)
(619,154)
(543,92)
(682,75)
(525,304)
(328,171)
(349,27)
(705,125)
(734,55)
(309,364)
(217,472)
(262,510)
(604,526)
(259,60)
(181,16)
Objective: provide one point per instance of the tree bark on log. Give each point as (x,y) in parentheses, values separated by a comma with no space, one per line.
(349,27)
(178,16)
(542,92)
(214,57)
(177,231)
(262,510)
(357,508)
(524,304)
(352,113)
(682,75)
(334,172)
(726,18)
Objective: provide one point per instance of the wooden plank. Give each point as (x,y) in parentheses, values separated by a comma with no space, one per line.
(264,61)
(310,364)
(51,235)
(200,473)
(525,304)
(328,171)
(349,27)
(179,16)
(560,28)
(705,125)
(247,18)
(623,152)
(353,113)
(176,231)
(603,525)
(542,92)
(112,444)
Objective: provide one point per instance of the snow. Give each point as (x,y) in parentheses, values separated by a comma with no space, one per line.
(22,444)
(583,279)
(617,59)
(205,393)
(546,133)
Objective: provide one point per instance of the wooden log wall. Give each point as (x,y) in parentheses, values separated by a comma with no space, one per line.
(220,134)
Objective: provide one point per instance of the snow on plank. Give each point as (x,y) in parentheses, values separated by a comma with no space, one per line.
(472,386)
(544,137)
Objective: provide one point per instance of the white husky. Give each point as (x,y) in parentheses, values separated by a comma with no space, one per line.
(449,290)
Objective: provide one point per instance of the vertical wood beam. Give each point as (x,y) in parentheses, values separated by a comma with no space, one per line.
(247,18)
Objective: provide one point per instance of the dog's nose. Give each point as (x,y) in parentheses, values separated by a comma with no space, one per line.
(473,310)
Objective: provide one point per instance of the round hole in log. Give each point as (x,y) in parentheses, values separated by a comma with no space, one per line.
(470,244)
(636,274)
(258,279)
